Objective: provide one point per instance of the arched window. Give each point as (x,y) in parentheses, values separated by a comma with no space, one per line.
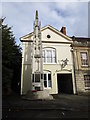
(49,55)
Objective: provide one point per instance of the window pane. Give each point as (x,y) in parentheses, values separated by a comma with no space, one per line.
(87,62)
(84,58)
(32,77)
(49,76)
(49,80)
(87,80)
(43,56)
(53,53)
(49,60)
(49,53)
(45,83)
(44,76)
(49,83)
(41,76)
(53,60)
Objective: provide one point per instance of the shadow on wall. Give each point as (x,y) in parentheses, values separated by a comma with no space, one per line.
(26,75)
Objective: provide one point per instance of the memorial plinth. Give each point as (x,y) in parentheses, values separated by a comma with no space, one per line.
(38,95)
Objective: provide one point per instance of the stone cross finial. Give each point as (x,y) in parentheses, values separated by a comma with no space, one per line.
(36,19)
(36,14)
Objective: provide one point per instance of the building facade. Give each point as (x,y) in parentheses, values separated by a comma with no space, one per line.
(58,70)
(81,55)
(63,62)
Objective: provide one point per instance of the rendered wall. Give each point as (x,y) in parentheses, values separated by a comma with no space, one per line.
(26,68)
(63,51)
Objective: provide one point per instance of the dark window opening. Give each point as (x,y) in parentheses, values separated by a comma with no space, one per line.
(37,77)
(48,36)
(32,77)
(41,76)
(45,83)
(49,76)
(37,88)
(44,76)
(87,81)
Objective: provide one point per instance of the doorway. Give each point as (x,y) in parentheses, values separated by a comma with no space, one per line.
(65,83)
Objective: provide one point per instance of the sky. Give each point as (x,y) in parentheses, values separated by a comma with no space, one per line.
(20,16)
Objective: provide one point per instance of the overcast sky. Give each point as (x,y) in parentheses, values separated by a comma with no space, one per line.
(72,15)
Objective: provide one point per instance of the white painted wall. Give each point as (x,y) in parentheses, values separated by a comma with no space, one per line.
(63,51)
(26,68)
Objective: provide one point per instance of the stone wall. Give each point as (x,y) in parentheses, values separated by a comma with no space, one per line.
(80,83)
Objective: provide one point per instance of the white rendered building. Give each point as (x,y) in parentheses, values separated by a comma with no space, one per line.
(58,73)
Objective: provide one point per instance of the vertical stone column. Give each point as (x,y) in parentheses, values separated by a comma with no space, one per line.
(37,63)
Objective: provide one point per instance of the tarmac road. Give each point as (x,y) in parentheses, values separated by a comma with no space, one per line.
(64,106)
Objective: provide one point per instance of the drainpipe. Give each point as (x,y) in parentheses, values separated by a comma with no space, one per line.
(73,72)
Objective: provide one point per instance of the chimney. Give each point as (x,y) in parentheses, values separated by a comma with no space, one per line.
(63,30)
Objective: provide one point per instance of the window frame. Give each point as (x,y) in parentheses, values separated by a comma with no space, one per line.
(45,57)
(87,87)
(47,80)
(82,60)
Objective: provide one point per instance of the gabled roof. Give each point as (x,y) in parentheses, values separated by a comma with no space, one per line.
(47,27)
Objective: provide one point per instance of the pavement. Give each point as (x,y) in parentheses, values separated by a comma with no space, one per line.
(63,106)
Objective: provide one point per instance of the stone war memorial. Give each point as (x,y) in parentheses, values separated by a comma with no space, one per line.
(37,83)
